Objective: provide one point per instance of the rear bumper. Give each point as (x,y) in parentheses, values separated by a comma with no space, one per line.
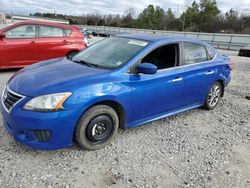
(45,131)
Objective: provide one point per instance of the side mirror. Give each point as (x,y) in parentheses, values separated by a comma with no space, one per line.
(2,35)
(146,68)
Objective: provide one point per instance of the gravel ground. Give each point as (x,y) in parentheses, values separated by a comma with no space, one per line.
(197,148)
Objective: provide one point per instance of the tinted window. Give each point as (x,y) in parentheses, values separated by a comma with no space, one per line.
(194,53)
(111,52)
(210,52)
(67,32)
(49,31)
(23,31)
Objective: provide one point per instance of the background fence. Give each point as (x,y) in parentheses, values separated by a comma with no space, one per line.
(218,40)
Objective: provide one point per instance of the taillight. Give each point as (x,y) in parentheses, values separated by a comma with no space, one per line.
(86,41)
(231,65)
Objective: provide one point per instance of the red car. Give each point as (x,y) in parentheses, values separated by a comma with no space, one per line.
(25,43)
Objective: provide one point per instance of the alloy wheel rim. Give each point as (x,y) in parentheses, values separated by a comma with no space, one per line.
(214,95)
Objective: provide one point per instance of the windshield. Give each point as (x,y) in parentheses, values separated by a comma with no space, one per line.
(110,53)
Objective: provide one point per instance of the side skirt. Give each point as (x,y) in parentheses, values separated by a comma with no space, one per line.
(161,116)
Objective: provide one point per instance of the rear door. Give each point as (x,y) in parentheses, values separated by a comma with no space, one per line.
(53,42)
(19,47)
(198,75)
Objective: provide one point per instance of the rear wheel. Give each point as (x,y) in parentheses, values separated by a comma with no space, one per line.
(97,127)
(213,96)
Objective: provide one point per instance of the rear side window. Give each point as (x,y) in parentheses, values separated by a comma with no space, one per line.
(194,53)
(50,31)
(21,32)
(210,52)
(67,32)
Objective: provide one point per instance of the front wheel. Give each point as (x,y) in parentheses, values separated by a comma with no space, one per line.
(97,127)
(213,96)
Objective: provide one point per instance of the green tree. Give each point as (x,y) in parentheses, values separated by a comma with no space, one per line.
(128,20)
(209,8)
(191,17)
(233,22)
(171,21)
(209,16)
(201,17)
(231,15)
(151,18)
(170,15)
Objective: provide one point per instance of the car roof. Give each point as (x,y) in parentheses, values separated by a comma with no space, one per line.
(43,23)
(156,38)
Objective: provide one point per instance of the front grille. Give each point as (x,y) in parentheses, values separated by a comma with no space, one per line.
(42,136)
(10,98)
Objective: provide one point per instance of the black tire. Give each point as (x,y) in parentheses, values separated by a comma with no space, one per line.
(89,128)
(70,55)
(213,96)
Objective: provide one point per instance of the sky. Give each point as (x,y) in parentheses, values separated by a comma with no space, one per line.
(80,7)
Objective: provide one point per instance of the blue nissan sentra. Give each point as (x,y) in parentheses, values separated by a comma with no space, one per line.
(119,82)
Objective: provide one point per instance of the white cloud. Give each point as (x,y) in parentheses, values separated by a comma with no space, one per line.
(79,7)
(242,6)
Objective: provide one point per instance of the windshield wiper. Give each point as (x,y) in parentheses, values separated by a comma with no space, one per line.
(87,63)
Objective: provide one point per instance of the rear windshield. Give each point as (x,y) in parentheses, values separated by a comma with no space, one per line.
(111,52)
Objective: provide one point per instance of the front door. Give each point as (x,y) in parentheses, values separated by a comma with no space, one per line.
(153,95)
(161,93)
(19,47)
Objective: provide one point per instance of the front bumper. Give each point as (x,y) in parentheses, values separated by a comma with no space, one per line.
(40,130)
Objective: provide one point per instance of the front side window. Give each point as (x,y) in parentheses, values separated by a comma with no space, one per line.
(110,53)
(50,31)
(23,31)
(163,57)
(194,53)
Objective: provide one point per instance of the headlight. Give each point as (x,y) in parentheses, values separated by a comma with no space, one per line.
(51,102)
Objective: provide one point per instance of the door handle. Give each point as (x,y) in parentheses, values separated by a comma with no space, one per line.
(177,79)
(209,72)
(65,41)
(32,42)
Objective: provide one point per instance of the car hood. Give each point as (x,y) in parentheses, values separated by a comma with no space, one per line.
(56,75)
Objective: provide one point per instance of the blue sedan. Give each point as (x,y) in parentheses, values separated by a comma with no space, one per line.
(119,82)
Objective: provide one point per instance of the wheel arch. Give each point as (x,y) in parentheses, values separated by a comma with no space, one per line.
(118,107)
(223,86)
(72,50)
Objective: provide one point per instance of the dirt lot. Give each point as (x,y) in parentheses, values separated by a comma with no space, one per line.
(197,148)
